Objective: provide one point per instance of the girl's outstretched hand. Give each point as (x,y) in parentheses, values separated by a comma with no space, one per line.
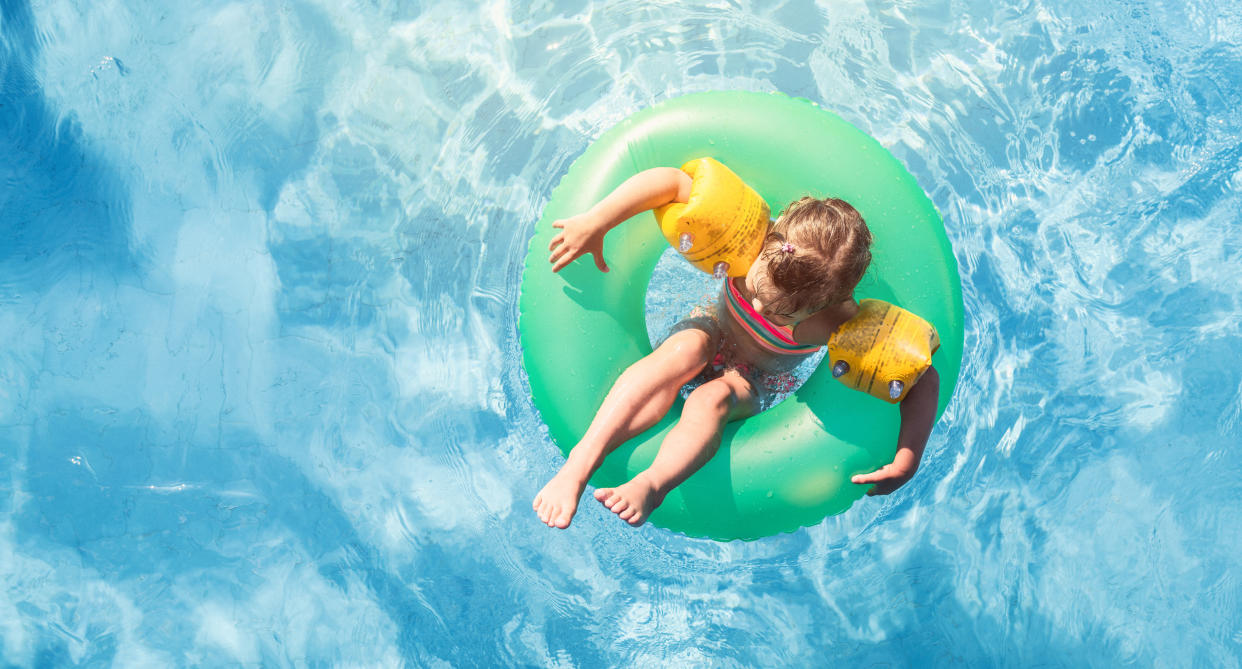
(579,234)
(891,476)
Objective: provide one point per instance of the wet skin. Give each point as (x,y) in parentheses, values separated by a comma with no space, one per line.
(811,327)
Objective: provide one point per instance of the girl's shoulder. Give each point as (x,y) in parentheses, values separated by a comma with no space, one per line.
(817,328)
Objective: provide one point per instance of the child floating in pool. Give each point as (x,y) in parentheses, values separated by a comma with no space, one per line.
(800,288)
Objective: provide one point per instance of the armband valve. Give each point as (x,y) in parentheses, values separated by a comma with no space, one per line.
(882,351)
(720,229)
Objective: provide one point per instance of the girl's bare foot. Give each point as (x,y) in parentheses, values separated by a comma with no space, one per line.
(632,501)
(557,503)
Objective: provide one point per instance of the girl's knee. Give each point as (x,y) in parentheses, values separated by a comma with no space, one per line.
(715,396)
(689,345)
(731,397)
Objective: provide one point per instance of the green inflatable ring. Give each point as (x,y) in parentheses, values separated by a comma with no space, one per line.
(790,466)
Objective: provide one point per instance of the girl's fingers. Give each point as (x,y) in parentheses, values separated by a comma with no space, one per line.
(558,224)
(564,260)
(885,473)
(558,252)
(886,479)
(556,240)
(599,261)
(868,478)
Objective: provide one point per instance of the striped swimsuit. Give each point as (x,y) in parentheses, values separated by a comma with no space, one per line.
(771,337)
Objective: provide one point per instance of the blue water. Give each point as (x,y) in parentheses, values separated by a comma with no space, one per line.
(260,400)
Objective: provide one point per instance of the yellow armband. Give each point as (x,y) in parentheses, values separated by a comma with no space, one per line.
(721,228)
(883,350)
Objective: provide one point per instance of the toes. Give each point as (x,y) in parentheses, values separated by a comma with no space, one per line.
(538,500)
(624,508)
(561,521)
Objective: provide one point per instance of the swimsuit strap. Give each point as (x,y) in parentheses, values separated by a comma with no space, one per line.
(768,335)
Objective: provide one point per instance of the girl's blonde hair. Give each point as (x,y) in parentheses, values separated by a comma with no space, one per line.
(817,251)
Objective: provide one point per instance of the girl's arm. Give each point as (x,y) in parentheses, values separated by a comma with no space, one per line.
(918,413)
(584,233)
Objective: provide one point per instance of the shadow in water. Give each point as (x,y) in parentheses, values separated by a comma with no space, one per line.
(61,205)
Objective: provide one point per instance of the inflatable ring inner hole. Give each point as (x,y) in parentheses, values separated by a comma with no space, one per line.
(676,292)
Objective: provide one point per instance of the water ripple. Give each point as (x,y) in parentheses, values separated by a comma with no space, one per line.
(261,276)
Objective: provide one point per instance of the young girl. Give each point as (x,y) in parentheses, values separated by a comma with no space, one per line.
(794,297)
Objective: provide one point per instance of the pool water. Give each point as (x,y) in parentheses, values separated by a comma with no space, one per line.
(260,392)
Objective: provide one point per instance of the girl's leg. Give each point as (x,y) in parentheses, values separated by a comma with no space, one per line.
(639,399)
(688,446)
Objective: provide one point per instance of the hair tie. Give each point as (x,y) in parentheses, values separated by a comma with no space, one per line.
(787,248)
